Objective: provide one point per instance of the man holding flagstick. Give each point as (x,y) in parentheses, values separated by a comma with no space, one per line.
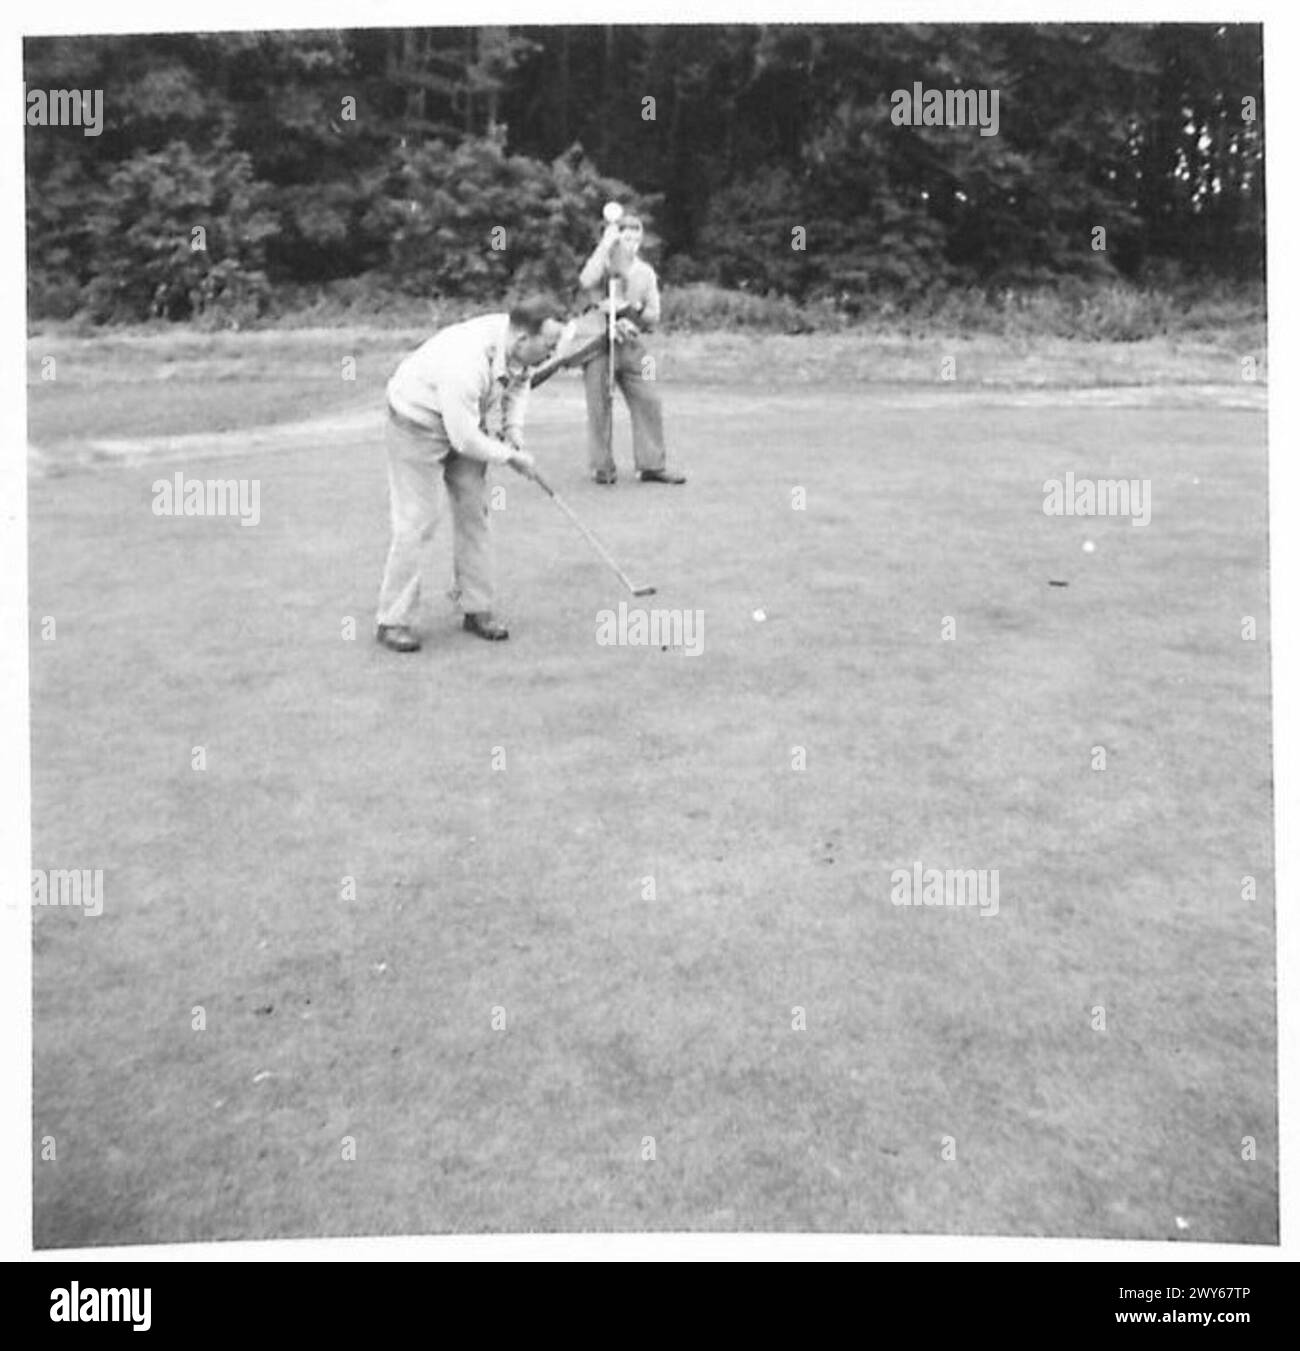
(623,290)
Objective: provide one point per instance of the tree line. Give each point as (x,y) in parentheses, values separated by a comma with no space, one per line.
(458,162)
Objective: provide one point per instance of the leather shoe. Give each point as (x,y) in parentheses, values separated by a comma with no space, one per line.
(661,476)
(397,637)
(606,476)
(485,626)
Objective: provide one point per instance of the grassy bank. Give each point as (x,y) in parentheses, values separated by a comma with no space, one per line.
(1069,308)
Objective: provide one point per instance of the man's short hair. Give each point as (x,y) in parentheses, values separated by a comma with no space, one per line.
(532,312)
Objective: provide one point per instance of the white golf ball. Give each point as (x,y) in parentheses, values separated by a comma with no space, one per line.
(1088,546)
(759,616)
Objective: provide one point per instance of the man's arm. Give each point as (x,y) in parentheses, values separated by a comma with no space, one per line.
(592,275)
(566,355)
(460,394)
(649,316)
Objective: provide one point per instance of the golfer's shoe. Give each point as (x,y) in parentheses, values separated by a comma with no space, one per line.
(606,476)
(485,626)
(397,637)
(661,476)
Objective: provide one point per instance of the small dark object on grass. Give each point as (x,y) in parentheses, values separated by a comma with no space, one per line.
(1050,582)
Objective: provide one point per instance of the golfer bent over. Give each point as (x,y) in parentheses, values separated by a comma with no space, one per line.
(441,401)
(637,288)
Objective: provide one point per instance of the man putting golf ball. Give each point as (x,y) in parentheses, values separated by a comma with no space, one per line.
(441,401)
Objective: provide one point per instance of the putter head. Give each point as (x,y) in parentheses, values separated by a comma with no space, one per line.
(643,591)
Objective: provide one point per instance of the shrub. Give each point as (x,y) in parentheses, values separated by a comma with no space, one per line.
(704,306)
(472,221)
(143,222)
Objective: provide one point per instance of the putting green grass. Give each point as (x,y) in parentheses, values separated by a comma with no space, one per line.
(664,1009)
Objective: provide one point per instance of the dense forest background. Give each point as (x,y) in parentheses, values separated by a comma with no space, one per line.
(467,162)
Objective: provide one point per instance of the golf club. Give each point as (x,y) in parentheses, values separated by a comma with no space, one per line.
(591,539)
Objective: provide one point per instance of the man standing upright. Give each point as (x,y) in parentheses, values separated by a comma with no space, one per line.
(442,401)
(616,271)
